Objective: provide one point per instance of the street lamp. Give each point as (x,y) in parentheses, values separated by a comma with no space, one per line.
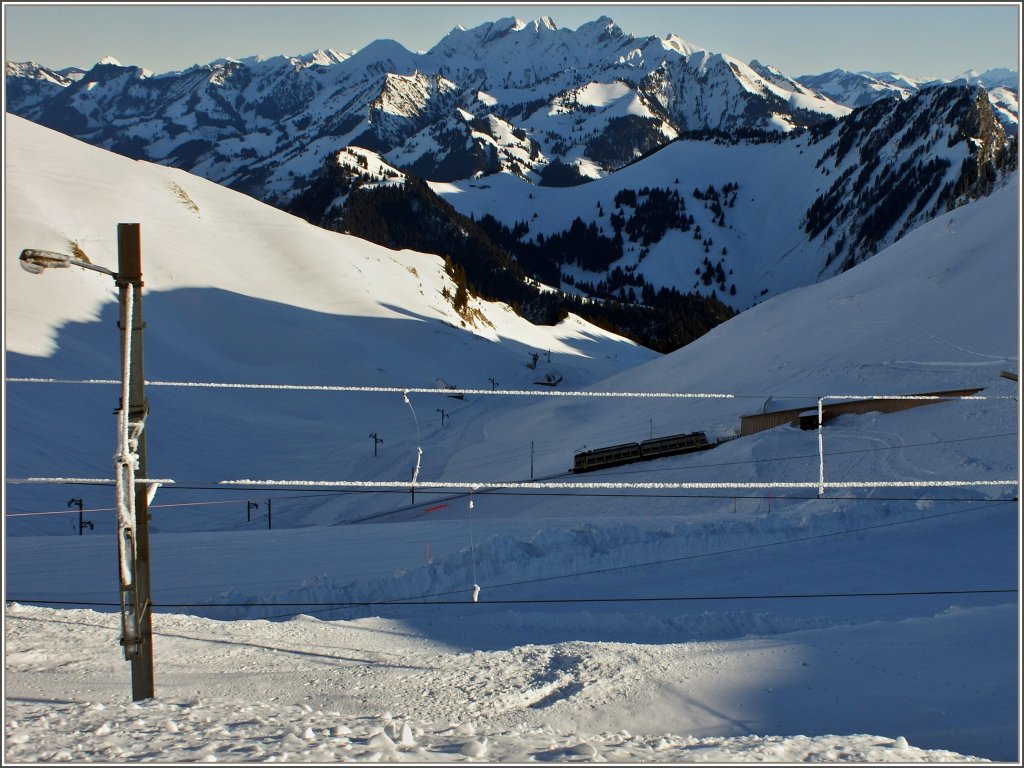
(130,459)
(35,261)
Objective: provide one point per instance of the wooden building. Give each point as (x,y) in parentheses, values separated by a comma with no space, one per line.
(806,417)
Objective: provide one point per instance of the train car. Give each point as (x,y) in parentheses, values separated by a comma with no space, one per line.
(613,456)
(648,450)
(674,445)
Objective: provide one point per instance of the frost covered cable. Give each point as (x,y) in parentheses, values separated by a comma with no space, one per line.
(449,392)
(463,486)
(81,481)
(403,390)
(125,460)
(918,397)
(821,448)
(472,553)
(179,484)
(419,441)
(499,392)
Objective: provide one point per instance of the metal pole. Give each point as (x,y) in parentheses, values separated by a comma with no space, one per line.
(531,459)
(270,521)
(81,522)
(140,652)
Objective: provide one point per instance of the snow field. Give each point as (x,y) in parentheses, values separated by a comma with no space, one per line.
(600,616)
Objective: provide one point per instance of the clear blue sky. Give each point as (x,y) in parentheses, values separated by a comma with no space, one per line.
(933,40)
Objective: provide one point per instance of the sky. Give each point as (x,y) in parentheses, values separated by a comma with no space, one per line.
(923,41)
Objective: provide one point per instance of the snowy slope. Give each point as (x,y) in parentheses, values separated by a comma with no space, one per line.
(238,292)
(633,624)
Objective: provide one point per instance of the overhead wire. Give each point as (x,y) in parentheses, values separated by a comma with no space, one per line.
(428,599)
(545,600)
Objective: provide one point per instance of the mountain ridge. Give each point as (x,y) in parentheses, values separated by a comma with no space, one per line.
(590,108)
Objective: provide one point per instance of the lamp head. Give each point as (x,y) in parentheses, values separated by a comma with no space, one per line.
(35,261)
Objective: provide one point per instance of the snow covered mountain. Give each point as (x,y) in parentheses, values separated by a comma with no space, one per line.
(623,163)
(745,220)
(858,89)
(595,97)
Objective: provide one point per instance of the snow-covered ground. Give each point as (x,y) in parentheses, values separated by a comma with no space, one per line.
(644,623)
(372,690)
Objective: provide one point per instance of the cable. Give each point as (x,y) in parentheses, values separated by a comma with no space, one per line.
(114,509)
(446,392)
(451,391)
(426,598)
(313,492)
(751,547)
(542,600)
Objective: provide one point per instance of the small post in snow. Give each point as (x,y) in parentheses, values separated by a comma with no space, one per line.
(82,524)
(269,518)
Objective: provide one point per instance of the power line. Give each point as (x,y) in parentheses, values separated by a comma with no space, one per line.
(749,547)
(306,494)
(426,599)
(114,509)
(542,600)
(263,484)
(450,391)
(446,392)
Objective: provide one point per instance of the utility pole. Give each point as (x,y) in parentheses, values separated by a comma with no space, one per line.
(531,459)
(270,520)
(444,415)
(81,523)
(494,384)
(133,491)
(248,510)
(136,599)
(376,441)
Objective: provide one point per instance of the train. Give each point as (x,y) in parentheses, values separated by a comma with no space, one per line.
(627,453)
